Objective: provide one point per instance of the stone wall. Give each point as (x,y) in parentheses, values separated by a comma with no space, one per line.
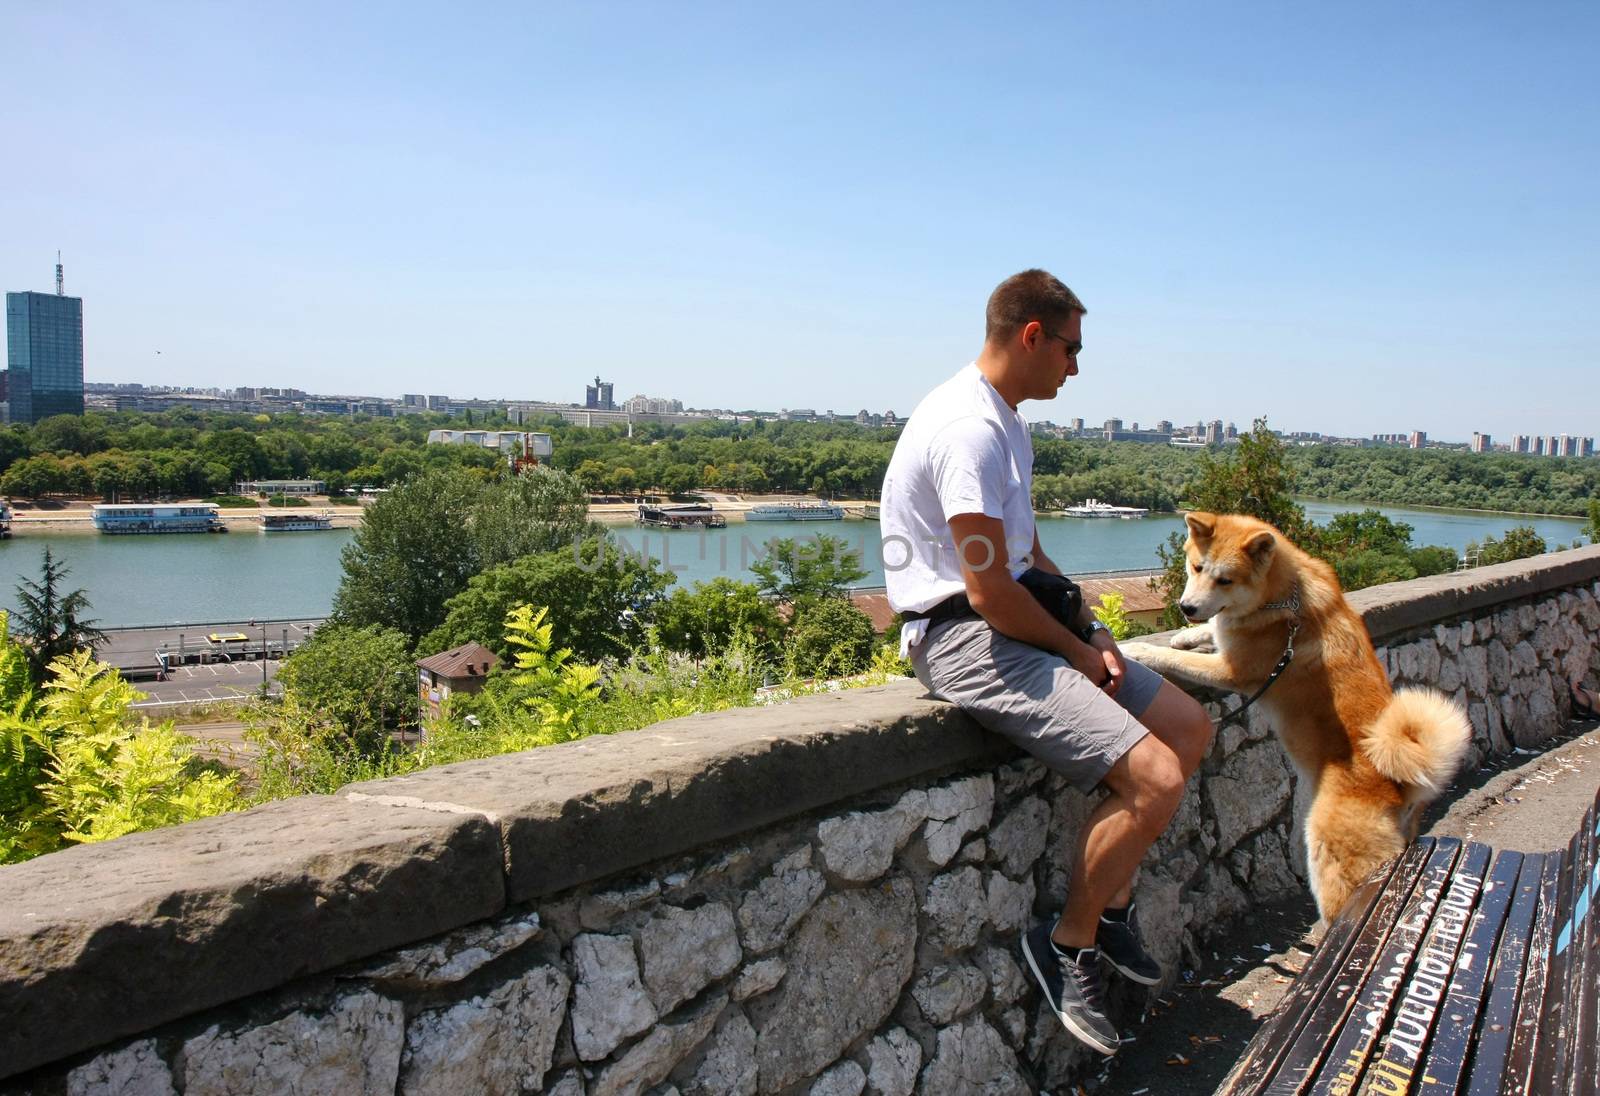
(818,897)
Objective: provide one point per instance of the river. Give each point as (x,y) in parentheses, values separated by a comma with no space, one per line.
(247,574)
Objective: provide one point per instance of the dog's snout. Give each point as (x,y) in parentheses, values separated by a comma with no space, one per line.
(1187,609)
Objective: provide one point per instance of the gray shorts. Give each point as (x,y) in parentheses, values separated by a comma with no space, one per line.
(1035,699)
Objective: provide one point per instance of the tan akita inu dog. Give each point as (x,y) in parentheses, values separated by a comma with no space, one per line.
(1374,756)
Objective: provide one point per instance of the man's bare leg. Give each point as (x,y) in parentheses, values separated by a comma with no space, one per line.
(1146,787)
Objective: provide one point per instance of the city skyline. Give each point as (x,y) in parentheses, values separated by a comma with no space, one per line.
(1276,212)
(668,408)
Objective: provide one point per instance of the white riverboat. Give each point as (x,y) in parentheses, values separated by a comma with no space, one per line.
(795,511)
(183,517)
(1094,508)
(295,523)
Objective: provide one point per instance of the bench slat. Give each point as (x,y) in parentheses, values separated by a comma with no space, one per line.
(1327,964)
(1525,1025)
(1409,1027)
(1352,1049)
(1588,1075)
(1464,998)
(1580,996)
(1553,1043)
(1505,981)
(1327,1014)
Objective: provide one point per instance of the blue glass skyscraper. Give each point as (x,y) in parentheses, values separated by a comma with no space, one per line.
(44,355)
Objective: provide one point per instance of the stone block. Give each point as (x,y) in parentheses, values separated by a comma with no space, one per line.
(600,806)
(776,905)
(956,906)
(848,964)
(844,1079)
(759,977)
(609,1002)
(684,951)
(1018,839)
(1010,903)
(729,1065)
(352,1048)
(955,810)
(1449,679)
(860,846)
(972,1057)
(1499,666)
(500,1042)
(649,1060)
(600,912)
(894,1059)
(134,1070)
(450,958)
(946,992)
(1251,790)
(1475,670)
(111,939)
(1006,980)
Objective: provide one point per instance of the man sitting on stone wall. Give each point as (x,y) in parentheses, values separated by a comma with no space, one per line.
(958,533)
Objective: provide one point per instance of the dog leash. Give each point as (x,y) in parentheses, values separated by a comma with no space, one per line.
(1291,603)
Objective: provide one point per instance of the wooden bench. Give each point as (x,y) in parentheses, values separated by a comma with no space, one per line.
(1459,969)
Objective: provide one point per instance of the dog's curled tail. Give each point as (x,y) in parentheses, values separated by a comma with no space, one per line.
(1418,741)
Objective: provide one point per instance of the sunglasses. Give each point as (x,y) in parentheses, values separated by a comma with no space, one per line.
(1074,347)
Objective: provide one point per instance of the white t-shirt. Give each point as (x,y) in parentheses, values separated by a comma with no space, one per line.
(963,451)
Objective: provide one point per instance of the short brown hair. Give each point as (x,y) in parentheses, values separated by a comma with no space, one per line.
(1031,295)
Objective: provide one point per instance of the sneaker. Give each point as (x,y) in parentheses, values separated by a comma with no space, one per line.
(1074,989)
(1119,942)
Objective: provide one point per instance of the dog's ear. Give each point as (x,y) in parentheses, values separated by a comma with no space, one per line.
(1201,525)
(1261,545)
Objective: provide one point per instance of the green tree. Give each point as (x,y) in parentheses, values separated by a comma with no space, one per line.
(829,637)
(50,621)
(598,598)
(358,681)
(712,616)
(541,510)
(801,568)
(1592,528)
(413,552)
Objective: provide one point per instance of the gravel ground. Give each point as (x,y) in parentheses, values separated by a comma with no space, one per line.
(1192,1036)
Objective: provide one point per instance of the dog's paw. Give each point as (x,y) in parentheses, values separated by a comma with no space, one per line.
(1198,638)
(1139,652)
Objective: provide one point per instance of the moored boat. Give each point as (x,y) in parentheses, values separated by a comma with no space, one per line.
(177,517)
(1094,508)
(795,511)
(693,516)
(295,523)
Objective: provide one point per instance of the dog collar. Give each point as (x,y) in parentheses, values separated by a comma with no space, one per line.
(1291,603)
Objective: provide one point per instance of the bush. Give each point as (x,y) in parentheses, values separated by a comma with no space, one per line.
(712,616)
(362,681)
(1520,542)
(75,769)
(829,637)
(232,502)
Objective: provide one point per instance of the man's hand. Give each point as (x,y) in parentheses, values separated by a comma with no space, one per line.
(1111,656)
(1099,660)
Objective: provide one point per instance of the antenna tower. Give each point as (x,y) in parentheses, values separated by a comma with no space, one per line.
(61,277)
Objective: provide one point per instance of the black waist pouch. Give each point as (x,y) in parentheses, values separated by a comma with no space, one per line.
(1060,596)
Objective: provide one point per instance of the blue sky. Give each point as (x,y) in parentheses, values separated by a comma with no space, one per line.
(1352,218)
